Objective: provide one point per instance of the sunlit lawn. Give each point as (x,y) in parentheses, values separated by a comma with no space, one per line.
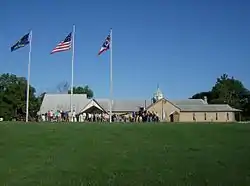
(124,154)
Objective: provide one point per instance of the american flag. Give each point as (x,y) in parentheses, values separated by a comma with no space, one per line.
(105,45)
(63,45)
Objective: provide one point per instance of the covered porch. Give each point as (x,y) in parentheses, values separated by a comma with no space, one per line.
(93,107)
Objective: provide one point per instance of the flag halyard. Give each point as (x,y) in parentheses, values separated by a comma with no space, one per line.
(25,40)
(105,45)
(63,45)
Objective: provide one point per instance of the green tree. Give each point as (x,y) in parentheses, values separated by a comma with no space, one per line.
(41,96)
(40,99)
(83,90)
(228,90)
(201,95)
(246,106)
(13,97)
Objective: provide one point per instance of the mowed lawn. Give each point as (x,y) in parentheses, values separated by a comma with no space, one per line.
(124,154)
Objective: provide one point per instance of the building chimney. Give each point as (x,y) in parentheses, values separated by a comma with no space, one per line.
(205,99)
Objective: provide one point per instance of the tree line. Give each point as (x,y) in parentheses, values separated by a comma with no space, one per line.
(13,97)
(227,90)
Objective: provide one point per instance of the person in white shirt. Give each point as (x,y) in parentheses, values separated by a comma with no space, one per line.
(74,116)
(43,117)
(83,116)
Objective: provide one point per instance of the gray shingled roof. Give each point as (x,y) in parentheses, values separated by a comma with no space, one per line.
(188,102)
(104,103)
(123,105)
(207,108)
(62,102)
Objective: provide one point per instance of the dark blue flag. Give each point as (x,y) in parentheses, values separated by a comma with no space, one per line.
(21,43)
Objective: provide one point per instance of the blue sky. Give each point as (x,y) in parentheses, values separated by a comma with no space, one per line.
(183,45)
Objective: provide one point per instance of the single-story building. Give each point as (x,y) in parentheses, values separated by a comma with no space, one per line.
(81,103)
(189,110)
(193,110)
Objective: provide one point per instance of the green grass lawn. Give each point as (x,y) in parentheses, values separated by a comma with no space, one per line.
(124,154)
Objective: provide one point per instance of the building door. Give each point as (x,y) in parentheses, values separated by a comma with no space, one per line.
(174,117)
(171,117)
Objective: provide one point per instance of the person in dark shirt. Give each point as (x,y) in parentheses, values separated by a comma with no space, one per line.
(63,116)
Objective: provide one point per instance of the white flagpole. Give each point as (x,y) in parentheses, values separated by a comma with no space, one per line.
(111,77)
(28,80)
(72,70)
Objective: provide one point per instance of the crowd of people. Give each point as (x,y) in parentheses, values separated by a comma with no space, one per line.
(62,116)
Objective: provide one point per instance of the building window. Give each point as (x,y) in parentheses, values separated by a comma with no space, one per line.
(194,119)
(216,116)
(205,116)
(227,116)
